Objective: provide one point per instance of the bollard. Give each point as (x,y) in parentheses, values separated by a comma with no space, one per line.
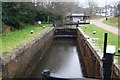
(43,27)
(31,31)
(118,50)
(77,24)
(108,62)
(94,32)
(106,18)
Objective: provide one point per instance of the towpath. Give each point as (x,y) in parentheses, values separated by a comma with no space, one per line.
(106,27)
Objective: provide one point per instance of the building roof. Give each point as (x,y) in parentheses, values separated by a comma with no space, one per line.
(76,15)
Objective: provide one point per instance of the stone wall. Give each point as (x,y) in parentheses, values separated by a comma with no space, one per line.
(91,59)
(26,56)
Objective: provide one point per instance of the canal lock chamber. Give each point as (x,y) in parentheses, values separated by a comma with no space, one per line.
(62,57)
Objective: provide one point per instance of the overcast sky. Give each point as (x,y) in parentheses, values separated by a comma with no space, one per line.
(82,2)
(100,3)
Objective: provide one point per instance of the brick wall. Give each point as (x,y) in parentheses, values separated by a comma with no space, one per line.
(91,60)
(23,64)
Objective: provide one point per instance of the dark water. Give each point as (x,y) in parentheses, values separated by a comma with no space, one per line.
(61,59)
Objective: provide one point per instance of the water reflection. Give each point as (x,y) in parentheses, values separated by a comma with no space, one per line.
(61,59)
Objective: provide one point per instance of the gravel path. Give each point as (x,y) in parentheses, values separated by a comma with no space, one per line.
(111,29)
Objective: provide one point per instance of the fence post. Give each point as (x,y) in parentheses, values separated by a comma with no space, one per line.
(107,59)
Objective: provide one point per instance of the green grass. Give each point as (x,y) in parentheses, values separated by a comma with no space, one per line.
(110,23)
(98,17)
(112,39)
(16,38)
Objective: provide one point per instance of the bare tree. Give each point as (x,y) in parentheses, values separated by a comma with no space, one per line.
(92,7)
(117,9)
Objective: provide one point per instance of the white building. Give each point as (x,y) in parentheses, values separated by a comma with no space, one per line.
(75,17)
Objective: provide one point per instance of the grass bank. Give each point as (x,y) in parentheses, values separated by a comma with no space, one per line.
(16,38)
(108,22)
(98,17)
(112,21)
(112,39)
